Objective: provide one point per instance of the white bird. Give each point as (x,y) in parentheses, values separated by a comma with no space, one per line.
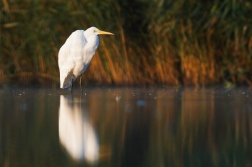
(75,55)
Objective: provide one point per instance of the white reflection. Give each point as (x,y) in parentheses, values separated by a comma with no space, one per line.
(76,133)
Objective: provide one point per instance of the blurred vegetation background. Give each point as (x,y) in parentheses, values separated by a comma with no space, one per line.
(194,42)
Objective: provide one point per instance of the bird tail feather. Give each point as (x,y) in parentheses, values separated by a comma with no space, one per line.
(66,80)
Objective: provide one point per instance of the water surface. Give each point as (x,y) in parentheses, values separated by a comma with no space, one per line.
(128,127)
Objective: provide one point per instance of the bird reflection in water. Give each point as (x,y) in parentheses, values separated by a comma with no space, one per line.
(76,134)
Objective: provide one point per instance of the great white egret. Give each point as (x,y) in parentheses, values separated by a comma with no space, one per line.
(75,55)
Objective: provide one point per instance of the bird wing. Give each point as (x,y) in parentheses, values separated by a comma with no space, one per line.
(68,54)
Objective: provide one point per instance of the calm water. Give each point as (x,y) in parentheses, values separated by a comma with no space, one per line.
(126,127)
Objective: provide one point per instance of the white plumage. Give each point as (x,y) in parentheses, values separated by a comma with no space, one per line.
(75,55)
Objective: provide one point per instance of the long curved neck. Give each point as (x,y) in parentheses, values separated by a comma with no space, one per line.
(91,46)
(92,42)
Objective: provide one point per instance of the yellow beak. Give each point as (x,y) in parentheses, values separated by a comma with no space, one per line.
(103,32)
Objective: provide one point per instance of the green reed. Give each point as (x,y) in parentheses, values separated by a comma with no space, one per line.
(156,42)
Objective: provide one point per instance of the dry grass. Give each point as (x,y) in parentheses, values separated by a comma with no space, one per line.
(181,43)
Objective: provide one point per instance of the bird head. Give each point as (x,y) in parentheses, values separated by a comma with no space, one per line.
(94,30)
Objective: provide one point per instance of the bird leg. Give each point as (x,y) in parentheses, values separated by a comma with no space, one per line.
(71,86)
(80,84)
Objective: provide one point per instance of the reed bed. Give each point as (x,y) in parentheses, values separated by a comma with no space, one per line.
(156,42)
